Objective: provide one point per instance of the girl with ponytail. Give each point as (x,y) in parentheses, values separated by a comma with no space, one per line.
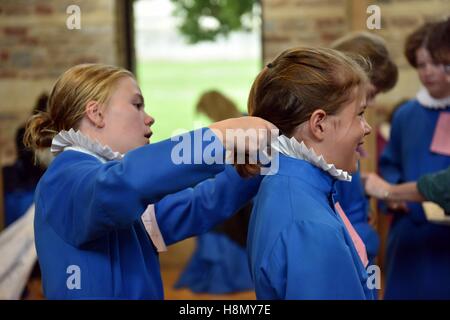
(300,243)
(110,201)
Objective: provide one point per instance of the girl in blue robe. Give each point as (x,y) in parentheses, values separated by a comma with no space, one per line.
(300,243)
(109,201)
(418,260)
(383,76)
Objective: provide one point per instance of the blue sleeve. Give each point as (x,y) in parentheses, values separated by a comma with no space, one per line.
(86,199)
(311,260)
(196,210)
(391,159)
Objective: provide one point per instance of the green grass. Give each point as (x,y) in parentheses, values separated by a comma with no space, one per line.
(172,88)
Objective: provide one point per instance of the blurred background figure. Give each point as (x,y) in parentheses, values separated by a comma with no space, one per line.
(439,44)
(417,254)
(20,181)
(219,263)
(21,178)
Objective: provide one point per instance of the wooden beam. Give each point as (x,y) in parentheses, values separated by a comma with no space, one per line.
(357,14)
(2,203)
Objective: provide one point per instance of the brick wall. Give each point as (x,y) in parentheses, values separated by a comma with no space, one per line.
(36,47)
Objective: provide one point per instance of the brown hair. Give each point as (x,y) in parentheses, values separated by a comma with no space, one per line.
(67,102)
(416,40)
(300,81)
(439,42)
(216,106)
(384,72)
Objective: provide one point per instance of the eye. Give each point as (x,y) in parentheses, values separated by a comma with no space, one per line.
(138,105)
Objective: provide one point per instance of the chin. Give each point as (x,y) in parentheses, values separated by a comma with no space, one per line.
(353,169)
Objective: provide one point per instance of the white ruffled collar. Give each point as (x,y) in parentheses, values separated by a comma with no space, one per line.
(75,140)
(423,96)
(291,147)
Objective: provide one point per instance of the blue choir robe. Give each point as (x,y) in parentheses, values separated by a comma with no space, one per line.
(298,245)
(418,252)
(90,240)
(16,204)
(356,206)
(219,265)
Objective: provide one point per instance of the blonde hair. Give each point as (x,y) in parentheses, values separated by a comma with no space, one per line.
(67,102)
(216,106)
(300,81)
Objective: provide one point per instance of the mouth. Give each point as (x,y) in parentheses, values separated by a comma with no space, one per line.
(360,150)
(148,135)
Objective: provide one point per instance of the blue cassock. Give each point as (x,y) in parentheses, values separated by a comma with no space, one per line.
(298,245)
(418,252)
(88,224)
(355,204)
(219,265)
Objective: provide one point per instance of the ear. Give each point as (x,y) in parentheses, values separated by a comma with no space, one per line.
(94,114)
(317,124)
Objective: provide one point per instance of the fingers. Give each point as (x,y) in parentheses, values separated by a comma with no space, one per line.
(398,206)
(245,135)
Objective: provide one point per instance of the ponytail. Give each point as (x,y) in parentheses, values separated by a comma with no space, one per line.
(39,131)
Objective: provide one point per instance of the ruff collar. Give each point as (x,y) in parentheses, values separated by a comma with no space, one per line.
(291,147)
(423,96)
(75,140)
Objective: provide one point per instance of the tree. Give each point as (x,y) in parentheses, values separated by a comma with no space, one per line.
(204,20)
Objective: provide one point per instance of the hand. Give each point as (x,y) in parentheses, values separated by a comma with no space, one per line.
(245,135)
(397,206)
(375,186)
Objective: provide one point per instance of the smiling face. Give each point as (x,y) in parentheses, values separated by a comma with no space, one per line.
(344,134)
(432,75)
(126,124)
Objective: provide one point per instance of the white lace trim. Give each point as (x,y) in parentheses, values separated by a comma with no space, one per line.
(291,147)
(423,96)
(75,140)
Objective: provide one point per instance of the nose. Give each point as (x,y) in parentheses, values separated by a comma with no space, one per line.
(367,128)
(430,68)
(148,120)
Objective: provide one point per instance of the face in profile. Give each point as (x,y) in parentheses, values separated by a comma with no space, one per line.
(127,125)
(345,136)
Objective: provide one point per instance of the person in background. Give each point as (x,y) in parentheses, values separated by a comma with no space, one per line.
(433,187)
(439,44)
(21,178)
(417,257)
